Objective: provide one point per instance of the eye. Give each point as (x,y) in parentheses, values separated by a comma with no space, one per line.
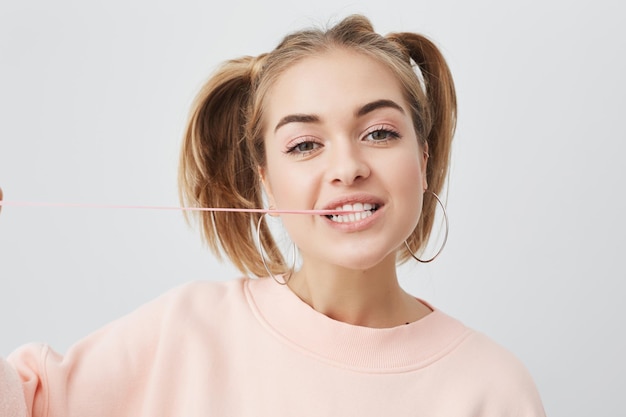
(382,134)
(303,147)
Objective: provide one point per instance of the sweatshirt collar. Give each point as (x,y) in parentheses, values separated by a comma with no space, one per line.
(396,349)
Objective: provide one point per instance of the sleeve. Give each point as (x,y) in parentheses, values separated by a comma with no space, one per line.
(12,402)
(515,395)
(507,387)
(105,374)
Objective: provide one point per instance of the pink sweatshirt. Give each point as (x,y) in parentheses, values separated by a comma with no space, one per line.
(253,348)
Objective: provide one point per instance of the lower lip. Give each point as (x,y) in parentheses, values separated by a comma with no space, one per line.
(357,225)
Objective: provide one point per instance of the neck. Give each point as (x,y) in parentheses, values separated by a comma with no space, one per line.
(369,298)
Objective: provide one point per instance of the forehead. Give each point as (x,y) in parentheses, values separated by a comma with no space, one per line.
(331,83)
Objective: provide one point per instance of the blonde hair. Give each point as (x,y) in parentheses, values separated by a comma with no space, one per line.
(223,145)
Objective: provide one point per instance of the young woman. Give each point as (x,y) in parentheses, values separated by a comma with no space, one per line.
(345,121)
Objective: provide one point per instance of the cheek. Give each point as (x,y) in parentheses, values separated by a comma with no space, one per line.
(408,174)
(283,197)
(290,189)
(407,181)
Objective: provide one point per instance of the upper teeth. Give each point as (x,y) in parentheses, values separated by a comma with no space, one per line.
(361,211)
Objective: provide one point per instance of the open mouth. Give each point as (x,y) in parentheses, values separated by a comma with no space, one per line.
(359,211)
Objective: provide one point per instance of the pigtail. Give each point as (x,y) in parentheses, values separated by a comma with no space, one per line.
(217,169)
(437,122)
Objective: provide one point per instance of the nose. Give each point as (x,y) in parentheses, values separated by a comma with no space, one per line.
(347,164)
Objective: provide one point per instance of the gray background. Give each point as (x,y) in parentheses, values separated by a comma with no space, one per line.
(93,102)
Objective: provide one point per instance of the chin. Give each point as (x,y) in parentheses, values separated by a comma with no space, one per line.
(363,261)
(361,255)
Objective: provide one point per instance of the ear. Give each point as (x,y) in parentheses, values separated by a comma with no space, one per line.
(425,157)
(266,186)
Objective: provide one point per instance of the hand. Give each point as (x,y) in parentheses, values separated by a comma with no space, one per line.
(0,198)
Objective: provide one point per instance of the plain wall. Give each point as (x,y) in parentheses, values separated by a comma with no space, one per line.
(94,99)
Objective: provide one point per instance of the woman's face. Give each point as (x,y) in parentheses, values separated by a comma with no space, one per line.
(338,134)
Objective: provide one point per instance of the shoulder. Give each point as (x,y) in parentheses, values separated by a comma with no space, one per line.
(492,360)
(203,291)
(192,304)
(488,371)
(197,297)
(200,292)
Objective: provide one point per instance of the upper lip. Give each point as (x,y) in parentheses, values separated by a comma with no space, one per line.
(352,199)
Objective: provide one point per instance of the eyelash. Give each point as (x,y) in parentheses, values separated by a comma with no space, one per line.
(392,134)
(293,149)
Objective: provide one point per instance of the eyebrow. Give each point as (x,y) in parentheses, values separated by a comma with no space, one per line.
(378,104)
(362,111)
(297,118)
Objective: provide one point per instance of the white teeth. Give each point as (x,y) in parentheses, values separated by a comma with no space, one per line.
(351,217)
(355,207)
(361,211)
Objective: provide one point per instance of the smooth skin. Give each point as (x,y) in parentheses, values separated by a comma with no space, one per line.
(338,130)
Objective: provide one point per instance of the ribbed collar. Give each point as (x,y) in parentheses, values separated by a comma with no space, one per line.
(397,349)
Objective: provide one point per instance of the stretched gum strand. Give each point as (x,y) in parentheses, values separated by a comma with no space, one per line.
(141,207)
